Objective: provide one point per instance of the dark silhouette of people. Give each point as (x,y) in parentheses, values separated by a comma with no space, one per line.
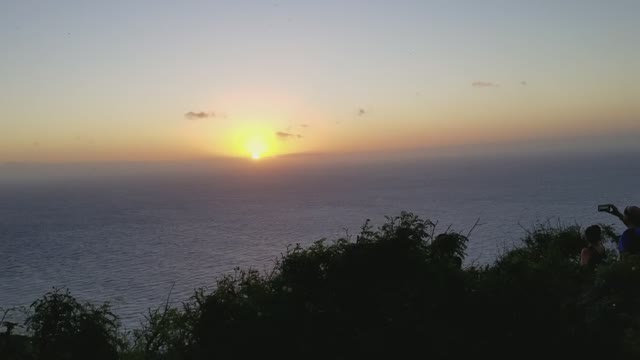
(629,243)
(594,253)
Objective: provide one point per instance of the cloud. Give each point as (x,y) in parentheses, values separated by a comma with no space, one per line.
(304,125)
(287,135)
(523,83)
(191,115)
(362,112)
(484,84)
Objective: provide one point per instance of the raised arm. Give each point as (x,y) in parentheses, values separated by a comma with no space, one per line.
(613,210)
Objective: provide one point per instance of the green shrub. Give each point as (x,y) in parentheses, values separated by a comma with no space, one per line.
(167,332)
(62,328)
(397,291)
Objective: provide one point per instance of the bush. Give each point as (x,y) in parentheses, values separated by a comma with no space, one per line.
(396,291)
(63,328)
(167,332)
(385,293)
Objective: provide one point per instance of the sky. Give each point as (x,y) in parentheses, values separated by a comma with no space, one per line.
(173,80)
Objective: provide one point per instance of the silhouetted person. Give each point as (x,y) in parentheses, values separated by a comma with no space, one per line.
(629,243)
(592,255)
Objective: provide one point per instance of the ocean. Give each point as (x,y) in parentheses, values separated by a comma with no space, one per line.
(132,239)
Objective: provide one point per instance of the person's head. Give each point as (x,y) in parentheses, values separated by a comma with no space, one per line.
(632,216)
(593,234)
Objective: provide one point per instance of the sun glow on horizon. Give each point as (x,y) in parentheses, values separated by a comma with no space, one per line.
(252,140)
(257,146)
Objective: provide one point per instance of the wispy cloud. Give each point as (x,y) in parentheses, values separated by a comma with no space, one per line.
(191,115)
(282,135)
(304,125)
(523,83)
(484,84)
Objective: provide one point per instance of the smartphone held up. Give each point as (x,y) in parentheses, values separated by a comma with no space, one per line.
(605,208)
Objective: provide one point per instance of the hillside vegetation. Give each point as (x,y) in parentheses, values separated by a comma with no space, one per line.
(398,291)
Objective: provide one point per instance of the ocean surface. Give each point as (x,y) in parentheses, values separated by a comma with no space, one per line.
(129,240)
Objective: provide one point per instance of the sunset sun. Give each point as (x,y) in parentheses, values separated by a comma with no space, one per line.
(257,146)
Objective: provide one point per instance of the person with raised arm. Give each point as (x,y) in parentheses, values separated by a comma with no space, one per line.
(629,243)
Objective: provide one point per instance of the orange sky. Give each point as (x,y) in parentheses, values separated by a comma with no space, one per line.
(116,81)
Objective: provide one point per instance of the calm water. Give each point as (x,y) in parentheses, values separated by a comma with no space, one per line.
(128,240)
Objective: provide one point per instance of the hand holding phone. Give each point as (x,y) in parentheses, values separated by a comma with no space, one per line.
(609,208)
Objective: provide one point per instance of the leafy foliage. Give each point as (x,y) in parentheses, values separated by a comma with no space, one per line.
(63,328)
(397,291)
(167,332)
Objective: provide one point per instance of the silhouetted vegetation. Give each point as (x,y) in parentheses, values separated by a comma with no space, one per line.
(398,291)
